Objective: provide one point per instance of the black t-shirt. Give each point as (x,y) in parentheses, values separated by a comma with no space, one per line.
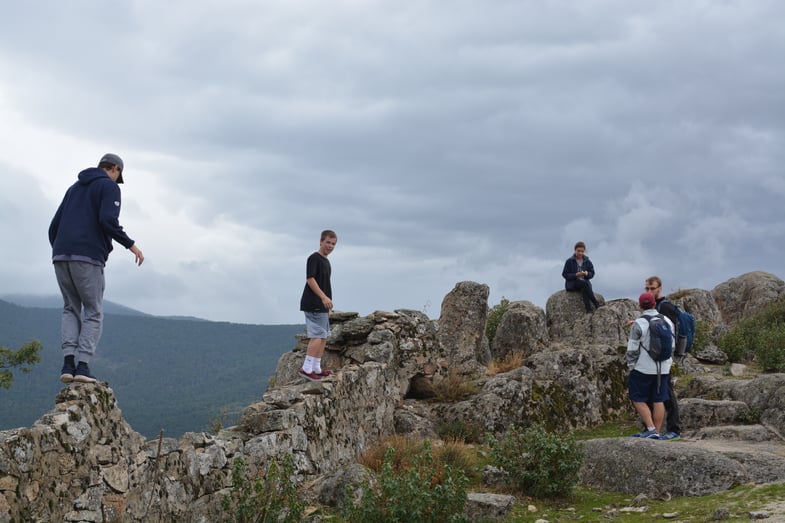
(318,268)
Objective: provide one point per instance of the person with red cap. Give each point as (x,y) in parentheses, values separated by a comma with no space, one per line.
(648,380)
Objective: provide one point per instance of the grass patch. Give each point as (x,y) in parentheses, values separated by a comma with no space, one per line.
(506,364)
(455,454)
(616,429)
(454,388)
(593,505)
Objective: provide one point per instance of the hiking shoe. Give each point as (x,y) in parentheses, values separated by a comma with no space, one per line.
(324,373)
(67,374)
(83,374)
(312,376)
(647,434)
(670,436)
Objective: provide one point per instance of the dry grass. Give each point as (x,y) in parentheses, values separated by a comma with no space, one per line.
(454,387)
(508,363)
(457,455)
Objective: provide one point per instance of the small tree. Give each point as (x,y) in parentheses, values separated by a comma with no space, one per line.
(495,314)
(24,358)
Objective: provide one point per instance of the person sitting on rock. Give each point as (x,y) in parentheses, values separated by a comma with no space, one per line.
(578,270)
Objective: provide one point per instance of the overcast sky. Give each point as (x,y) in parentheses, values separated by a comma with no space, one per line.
(442,140)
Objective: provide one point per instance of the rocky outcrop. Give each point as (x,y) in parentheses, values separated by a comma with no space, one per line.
(747,294)
(569,323)
(562,389)
(82,462)
(462,328)
(522,331)
(661,470)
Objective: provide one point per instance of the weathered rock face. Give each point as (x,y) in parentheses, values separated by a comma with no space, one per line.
(522,330)
(462,328)
(700,303)
(639,466)
(82,462)
(765,393)
(562,389)
(569,323)
(747,294)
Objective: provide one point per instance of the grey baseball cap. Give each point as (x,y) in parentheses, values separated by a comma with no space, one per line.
(114,160)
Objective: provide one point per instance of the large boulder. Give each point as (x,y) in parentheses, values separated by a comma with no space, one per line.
(522,330)
(462,328)
(700,303)
(568,322)
(641,466)
(764,393)
(746,295)
(562,388)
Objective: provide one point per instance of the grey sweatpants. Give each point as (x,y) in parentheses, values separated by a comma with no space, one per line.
(82,287)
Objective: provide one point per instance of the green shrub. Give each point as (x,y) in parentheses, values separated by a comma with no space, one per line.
(736,345)
(422,493)
(457,430)
(495,314)
(703,330)
(770,347)
(751,416)
(761,337)
(269,498)
(540,463)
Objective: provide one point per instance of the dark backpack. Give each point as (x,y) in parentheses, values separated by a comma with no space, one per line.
(685,329)
(660,338)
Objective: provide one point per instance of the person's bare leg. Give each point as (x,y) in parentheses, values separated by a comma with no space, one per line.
(316,347)
(645,413)
(659,415)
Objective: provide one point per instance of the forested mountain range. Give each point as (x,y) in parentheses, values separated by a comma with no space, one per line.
(176,374)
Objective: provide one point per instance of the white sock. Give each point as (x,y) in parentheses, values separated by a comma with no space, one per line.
(317,365)
(308,364)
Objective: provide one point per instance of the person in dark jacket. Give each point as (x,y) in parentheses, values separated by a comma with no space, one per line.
(81,235)
(578,270)
(653,285)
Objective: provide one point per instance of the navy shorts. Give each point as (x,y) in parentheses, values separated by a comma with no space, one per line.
(643,387)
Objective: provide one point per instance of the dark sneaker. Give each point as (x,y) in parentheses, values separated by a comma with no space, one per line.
(647,434)
(83,374)
(324,373)
(312,376)
(67,374)
(670,436)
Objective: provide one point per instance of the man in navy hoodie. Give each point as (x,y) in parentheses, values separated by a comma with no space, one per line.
(81,235)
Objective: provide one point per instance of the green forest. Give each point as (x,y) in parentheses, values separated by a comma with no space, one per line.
(178,375)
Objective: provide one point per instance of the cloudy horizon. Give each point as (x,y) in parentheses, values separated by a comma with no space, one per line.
(477,142)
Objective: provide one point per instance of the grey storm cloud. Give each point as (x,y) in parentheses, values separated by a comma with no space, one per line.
(469,140)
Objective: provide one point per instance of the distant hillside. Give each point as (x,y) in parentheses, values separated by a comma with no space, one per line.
(171,374)
(56,302)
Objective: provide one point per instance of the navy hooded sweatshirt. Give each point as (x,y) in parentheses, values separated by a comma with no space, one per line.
(88,218)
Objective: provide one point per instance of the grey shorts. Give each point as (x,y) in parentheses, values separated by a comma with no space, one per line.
(317,325)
